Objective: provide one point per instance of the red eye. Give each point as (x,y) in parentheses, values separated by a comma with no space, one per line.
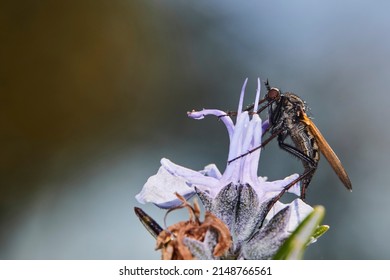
(273,93)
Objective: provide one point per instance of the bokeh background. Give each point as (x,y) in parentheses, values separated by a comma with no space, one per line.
(94,93)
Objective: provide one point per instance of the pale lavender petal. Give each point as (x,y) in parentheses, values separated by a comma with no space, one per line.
(233,170)
(241,102)
(211,170)
(257,96)
(251,161)
(235,148)
(299,211)
(198,115)
(278,185)
(160,189)
(190,176)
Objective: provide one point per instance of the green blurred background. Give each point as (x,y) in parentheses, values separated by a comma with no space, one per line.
(94,93)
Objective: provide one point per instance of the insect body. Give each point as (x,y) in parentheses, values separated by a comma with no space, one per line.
(287,117)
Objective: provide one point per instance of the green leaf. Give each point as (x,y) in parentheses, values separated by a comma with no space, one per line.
(294,247)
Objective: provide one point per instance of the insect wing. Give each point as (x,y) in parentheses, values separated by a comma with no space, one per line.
(328,152)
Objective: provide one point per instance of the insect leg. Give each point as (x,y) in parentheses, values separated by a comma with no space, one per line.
(309,164)
(286,188)
(256,148)
(295,152)
(249,108)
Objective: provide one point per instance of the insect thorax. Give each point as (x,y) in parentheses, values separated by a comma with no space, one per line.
(289,121)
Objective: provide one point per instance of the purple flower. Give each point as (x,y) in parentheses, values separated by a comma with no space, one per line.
(238,196)
(244,136)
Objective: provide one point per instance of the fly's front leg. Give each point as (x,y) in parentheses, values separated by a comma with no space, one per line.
(256,148)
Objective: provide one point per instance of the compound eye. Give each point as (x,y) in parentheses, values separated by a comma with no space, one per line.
(273,93)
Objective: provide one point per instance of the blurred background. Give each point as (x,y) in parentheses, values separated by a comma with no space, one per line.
(95,93)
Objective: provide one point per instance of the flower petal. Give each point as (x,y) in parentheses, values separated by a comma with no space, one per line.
(278,185)
(192,178)
(299,211)
(211,170)
(160,189)
(198,115)
(251,161)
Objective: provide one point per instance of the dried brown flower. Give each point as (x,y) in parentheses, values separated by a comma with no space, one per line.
(177,241)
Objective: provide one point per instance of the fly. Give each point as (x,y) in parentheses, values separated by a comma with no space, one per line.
(288,118)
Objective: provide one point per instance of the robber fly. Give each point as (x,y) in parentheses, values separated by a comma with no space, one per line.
(288,118)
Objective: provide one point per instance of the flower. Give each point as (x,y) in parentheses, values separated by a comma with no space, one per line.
(191,239)
(244,136)
(238,196)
